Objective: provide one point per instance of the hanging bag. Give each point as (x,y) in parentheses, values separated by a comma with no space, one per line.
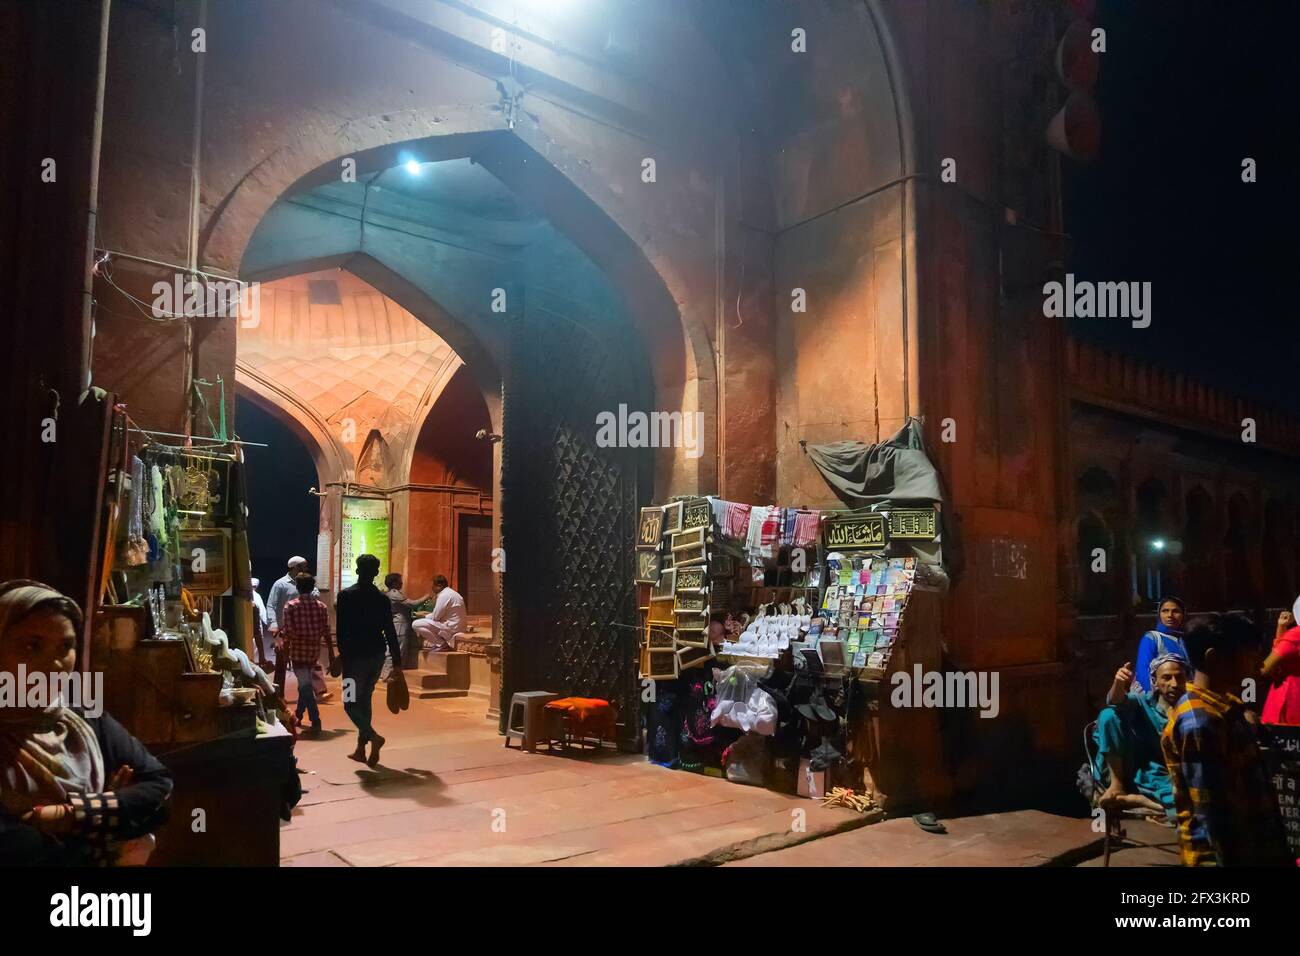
(399,698)
(137,548)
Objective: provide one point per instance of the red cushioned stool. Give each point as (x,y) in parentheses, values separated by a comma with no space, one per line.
(586,720)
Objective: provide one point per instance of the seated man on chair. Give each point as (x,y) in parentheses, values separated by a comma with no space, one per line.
(447,619)
(1128,738)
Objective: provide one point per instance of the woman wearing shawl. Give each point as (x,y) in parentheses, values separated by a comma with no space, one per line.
(1167,638)
(1130,761)
(74,789)
(1282,669)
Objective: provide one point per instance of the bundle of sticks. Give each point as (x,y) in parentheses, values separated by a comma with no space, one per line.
(844,797)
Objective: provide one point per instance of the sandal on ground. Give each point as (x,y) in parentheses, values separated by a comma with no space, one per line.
(929,823)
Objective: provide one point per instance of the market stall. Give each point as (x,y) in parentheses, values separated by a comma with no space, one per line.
(172,634)
(770,635)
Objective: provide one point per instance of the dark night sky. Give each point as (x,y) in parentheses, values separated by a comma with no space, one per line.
(283,518)
(1187,90)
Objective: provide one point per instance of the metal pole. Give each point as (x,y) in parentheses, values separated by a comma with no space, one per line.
(92,213)
(192,259)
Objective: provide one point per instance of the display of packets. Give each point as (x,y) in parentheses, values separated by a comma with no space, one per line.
(863,603)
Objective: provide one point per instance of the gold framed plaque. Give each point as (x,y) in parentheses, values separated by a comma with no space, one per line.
(864,532)
(647,566)
(673,516)
(658,664)
(690,579)
(651,527)
(657,638)
(661,612)
(665,586)
(917,524)
(689,540)
(688,557)
(692,602)
(697,514)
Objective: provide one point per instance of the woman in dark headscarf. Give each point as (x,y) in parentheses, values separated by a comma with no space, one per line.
(75,789)
(1167,638)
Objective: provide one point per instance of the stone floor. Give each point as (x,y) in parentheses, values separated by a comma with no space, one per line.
(1019,838)
(448,793)
(1148,845)
(445,779)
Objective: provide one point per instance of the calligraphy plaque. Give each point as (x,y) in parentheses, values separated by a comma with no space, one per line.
(651,527)
(665,586)
(689,539)
(913,523)
(691,579)
(673,516)
(658,638)
(691,556)
(647,566)
(698,514)
(692,602)
(858,532)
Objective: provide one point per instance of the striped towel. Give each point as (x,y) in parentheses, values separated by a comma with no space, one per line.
(736,521)
(806,524)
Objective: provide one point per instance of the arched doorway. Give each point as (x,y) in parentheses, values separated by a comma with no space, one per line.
(453,245)
(284,518)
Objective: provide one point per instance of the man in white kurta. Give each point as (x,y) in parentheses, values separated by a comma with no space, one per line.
(446,620)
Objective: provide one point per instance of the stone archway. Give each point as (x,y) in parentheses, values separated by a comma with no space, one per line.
(681,370)
(565,508)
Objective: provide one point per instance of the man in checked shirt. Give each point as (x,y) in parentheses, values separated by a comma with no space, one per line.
(1227,812)
(305,625)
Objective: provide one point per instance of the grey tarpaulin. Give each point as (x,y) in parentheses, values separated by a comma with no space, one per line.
(895,471)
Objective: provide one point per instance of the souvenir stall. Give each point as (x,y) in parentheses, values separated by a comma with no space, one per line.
(769,631)
(769,637)
(171,635)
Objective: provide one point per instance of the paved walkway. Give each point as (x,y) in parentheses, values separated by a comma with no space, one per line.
(447,793)
(1019,838)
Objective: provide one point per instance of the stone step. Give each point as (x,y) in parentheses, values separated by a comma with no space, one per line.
(454,665)
(426,685)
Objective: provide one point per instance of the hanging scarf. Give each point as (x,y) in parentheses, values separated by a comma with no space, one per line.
(737,521)
(48,754)
(806,524)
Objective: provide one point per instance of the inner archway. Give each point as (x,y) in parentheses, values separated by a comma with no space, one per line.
(545,343)
(285,516)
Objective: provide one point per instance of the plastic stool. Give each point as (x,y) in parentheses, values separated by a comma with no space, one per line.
(530,703)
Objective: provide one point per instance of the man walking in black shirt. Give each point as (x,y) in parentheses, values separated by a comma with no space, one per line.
(365,625)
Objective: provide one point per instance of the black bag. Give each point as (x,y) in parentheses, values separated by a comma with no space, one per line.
(399,697)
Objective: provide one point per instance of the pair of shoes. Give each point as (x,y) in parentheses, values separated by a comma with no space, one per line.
(313,731)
